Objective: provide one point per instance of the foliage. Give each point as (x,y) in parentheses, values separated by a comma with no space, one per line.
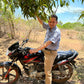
(82,15)
(60,23)
(31,7)
(6,4)
(77,26)
(8,17)
(66,26)
(9,35)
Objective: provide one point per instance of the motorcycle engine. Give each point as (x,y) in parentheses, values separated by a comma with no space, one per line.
(40,67)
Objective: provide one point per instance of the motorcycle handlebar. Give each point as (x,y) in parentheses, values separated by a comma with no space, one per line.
(24,41)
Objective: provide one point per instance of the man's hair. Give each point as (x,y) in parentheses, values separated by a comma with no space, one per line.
(54,17)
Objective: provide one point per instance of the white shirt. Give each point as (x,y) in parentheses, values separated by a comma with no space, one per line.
(53,35)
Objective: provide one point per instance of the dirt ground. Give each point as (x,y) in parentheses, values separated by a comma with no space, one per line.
(68,41)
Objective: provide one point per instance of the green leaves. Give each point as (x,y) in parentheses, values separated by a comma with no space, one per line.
(39,7)
(31,8)
(64,3)
(72,0)
(9,5)
(82,15)
(82,1)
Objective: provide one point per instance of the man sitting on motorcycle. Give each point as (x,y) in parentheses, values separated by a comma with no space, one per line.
(50,45)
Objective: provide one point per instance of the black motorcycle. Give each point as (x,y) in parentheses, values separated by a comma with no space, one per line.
(62,69)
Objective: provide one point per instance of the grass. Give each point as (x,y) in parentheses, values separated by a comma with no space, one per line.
(81,37)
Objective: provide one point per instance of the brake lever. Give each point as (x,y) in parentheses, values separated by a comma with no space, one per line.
(25,41)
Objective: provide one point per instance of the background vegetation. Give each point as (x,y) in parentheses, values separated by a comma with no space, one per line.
(32,24)
(41,8)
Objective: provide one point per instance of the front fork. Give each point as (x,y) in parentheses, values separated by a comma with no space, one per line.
(9,69)
(6,75)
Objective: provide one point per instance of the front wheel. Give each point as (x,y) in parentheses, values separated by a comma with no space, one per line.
(11,78)
(62,73)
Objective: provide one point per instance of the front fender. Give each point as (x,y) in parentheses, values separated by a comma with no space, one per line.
(7,64)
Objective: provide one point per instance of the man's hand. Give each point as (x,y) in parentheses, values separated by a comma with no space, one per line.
(40,48)
(40,21)
(33,51)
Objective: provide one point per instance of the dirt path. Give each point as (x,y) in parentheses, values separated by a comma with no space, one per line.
(66,44)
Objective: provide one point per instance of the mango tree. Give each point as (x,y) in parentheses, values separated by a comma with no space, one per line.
(40,7)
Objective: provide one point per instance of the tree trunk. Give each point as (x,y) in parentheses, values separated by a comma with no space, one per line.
(11,24)
(0,31)
(12,29)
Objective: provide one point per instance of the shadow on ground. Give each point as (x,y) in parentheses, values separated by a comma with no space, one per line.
(77,78)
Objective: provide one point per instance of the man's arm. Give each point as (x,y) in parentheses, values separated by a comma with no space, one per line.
(40,21)
(41,47)
(45,25)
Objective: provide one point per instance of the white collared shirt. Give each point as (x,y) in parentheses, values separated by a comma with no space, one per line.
(53,35)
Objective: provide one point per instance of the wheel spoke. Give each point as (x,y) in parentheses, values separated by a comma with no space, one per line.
(0,75)
(2,70)
(8,79)
(63,72)
(12,75)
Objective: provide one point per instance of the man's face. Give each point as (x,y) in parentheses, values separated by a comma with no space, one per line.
(52,22)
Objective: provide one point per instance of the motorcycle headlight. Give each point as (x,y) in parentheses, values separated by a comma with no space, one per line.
(8,52)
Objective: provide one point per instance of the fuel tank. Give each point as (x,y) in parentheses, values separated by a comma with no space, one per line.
(35,57)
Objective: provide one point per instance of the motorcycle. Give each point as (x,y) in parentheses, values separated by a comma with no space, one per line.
(33,64)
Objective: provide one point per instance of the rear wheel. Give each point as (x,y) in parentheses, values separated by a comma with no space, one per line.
(11,78)
(62,73)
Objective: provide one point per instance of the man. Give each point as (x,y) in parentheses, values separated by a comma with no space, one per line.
(50,45)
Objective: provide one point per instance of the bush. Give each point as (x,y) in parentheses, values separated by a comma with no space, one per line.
(76,26)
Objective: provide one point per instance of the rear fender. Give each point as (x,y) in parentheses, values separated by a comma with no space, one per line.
(73,56)
(73,63)
(62,62)
(7,64)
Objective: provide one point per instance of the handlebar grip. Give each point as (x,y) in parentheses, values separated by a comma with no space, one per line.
(25,40)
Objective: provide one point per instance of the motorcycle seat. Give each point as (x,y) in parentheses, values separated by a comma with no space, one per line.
(61,55)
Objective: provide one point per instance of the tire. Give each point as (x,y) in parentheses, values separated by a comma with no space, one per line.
(63,75)
(12,76)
